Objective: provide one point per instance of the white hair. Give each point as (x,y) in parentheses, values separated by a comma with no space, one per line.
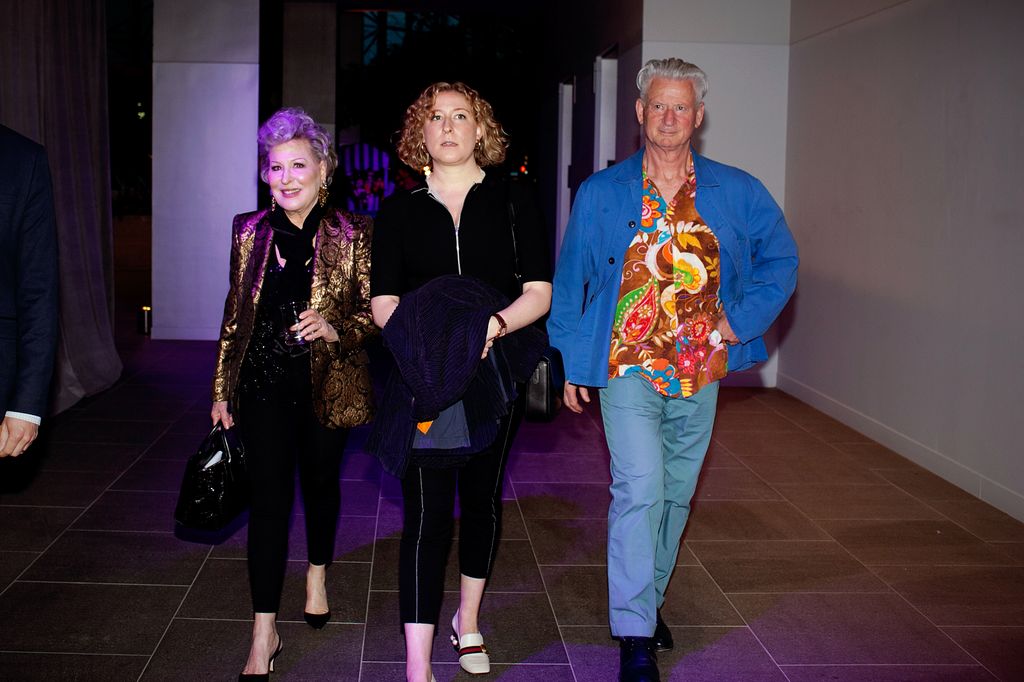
(675,69)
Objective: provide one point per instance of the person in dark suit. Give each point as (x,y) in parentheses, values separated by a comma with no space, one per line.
(28,290)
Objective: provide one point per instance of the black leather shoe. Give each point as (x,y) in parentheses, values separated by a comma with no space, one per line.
(637,660)
(662,635)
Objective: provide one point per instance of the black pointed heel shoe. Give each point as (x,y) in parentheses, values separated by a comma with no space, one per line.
(316,620)
(263,677)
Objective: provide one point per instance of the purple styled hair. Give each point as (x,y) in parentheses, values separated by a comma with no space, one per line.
(293,123)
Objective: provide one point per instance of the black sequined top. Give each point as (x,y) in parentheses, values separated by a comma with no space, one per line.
(272,371)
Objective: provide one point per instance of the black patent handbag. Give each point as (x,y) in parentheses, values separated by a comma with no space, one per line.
(540,393)
(215,488)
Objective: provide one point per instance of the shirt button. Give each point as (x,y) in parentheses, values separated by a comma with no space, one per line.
(611,261)
(632,223)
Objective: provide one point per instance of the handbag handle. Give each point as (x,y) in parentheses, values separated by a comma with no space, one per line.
(224,441)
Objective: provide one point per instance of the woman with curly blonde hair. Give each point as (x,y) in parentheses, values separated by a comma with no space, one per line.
(478,225)
(490,147)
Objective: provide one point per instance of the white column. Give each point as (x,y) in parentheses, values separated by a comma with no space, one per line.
(205,100)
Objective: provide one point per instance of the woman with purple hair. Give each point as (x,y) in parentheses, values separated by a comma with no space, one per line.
(296,385)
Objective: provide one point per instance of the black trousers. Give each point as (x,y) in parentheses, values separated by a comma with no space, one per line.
(278,435)
(428,495)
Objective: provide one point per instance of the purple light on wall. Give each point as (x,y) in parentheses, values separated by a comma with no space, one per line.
(367,180)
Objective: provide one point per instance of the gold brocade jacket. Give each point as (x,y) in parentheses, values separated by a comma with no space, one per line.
(340,293)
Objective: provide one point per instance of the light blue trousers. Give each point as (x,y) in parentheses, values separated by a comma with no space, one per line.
(657,447)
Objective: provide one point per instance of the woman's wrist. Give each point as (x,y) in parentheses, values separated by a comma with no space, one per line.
(502,325)
(331,331)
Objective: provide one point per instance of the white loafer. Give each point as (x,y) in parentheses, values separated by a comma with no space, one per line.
(472,653)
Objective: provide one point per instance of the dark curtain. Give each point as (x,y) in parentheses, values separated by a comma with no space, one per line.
(53,89)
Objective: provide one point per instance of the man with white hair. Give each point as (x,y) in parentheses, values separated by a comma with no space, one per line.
(672,268)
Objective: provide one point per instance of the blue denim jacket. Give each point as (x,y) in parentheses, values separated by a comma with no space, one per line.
(758,262)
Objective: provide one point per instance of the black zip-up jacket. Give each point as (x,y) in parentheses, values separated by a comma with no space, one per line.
(415,239)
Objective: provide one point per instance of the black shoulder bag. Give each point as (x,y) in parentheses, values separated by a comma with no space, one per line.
(541,404)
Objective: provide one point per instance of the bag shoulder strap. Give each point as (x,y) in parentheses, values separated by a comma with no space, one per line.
(512,226)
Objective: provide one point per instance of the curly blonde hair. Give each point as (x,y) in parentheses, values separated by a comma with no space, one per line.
(413,151)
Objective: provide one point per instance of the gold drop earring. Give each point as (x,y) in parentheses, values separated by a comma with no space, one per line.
(427,170)
(323,193)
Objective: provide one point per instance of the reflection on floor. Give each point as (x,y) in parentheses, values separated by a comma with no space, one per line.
(812,554)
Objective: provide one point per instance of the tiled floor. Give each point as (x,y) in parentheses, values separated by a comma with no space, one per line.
(813,554)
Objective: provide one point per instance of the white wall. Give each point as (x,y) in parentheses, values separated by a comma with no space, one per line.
(732,22)
(743,46)
(205,90)
(904,167)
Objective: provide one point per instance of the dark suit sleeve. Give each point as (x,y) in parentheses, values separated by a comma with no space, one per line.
(36,291)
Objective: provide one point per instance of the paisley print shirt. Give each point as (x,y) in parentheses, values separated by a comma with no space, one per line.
(668,307)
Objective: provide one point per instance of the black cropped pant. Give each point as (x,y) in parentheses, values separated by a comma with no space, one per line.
(429,501)
(278,435)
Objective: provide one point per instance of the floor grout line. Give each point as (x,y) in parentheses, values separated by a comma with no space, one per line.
(867,567)
(85,510)
(385,503)
(547,593)
(369,580)
(170,622)
(70,653)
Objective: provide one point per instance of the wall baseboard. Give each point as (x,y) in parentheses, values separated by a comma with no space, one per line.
(999,496)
